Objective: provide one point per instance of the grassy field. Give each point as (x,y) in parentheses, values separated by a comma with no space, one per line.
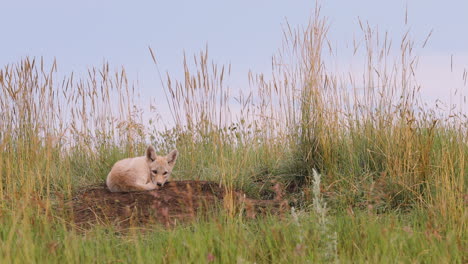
(390,187)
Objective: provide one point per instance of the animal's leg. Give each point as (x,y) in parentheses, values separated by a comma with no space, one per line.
(144,187)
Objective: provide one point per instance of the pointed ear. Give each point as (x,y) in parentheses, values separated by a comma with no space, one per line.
(150,153)
(172,157)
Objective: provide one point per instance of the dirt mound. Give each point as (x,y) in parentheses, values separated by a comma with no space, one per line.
(177,201)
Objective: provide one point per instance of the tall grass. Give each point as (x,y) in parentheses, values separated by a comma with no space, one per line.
(393,172)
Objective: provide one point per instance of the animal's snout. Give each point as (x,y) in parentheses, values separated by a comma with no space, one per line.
(160,184)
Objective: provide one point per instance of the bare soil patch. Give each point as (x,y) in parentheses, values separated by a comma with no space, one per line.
(177,201)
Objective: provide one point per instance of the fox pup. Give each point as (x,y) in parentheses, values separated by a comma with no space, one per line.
(141,173)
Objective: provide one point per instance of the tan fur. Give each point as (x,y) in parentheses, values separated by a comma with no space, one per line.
(141,173)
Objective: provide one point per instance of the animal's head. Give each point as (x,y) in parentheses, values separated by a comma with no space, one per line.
(160,166)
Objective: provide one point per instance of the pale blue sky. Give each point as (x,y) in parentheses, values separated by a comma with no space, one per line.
(84,33)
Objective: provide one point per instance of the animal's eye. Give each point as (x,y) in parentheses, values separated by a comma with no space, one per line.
(155,171)
(165,173)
